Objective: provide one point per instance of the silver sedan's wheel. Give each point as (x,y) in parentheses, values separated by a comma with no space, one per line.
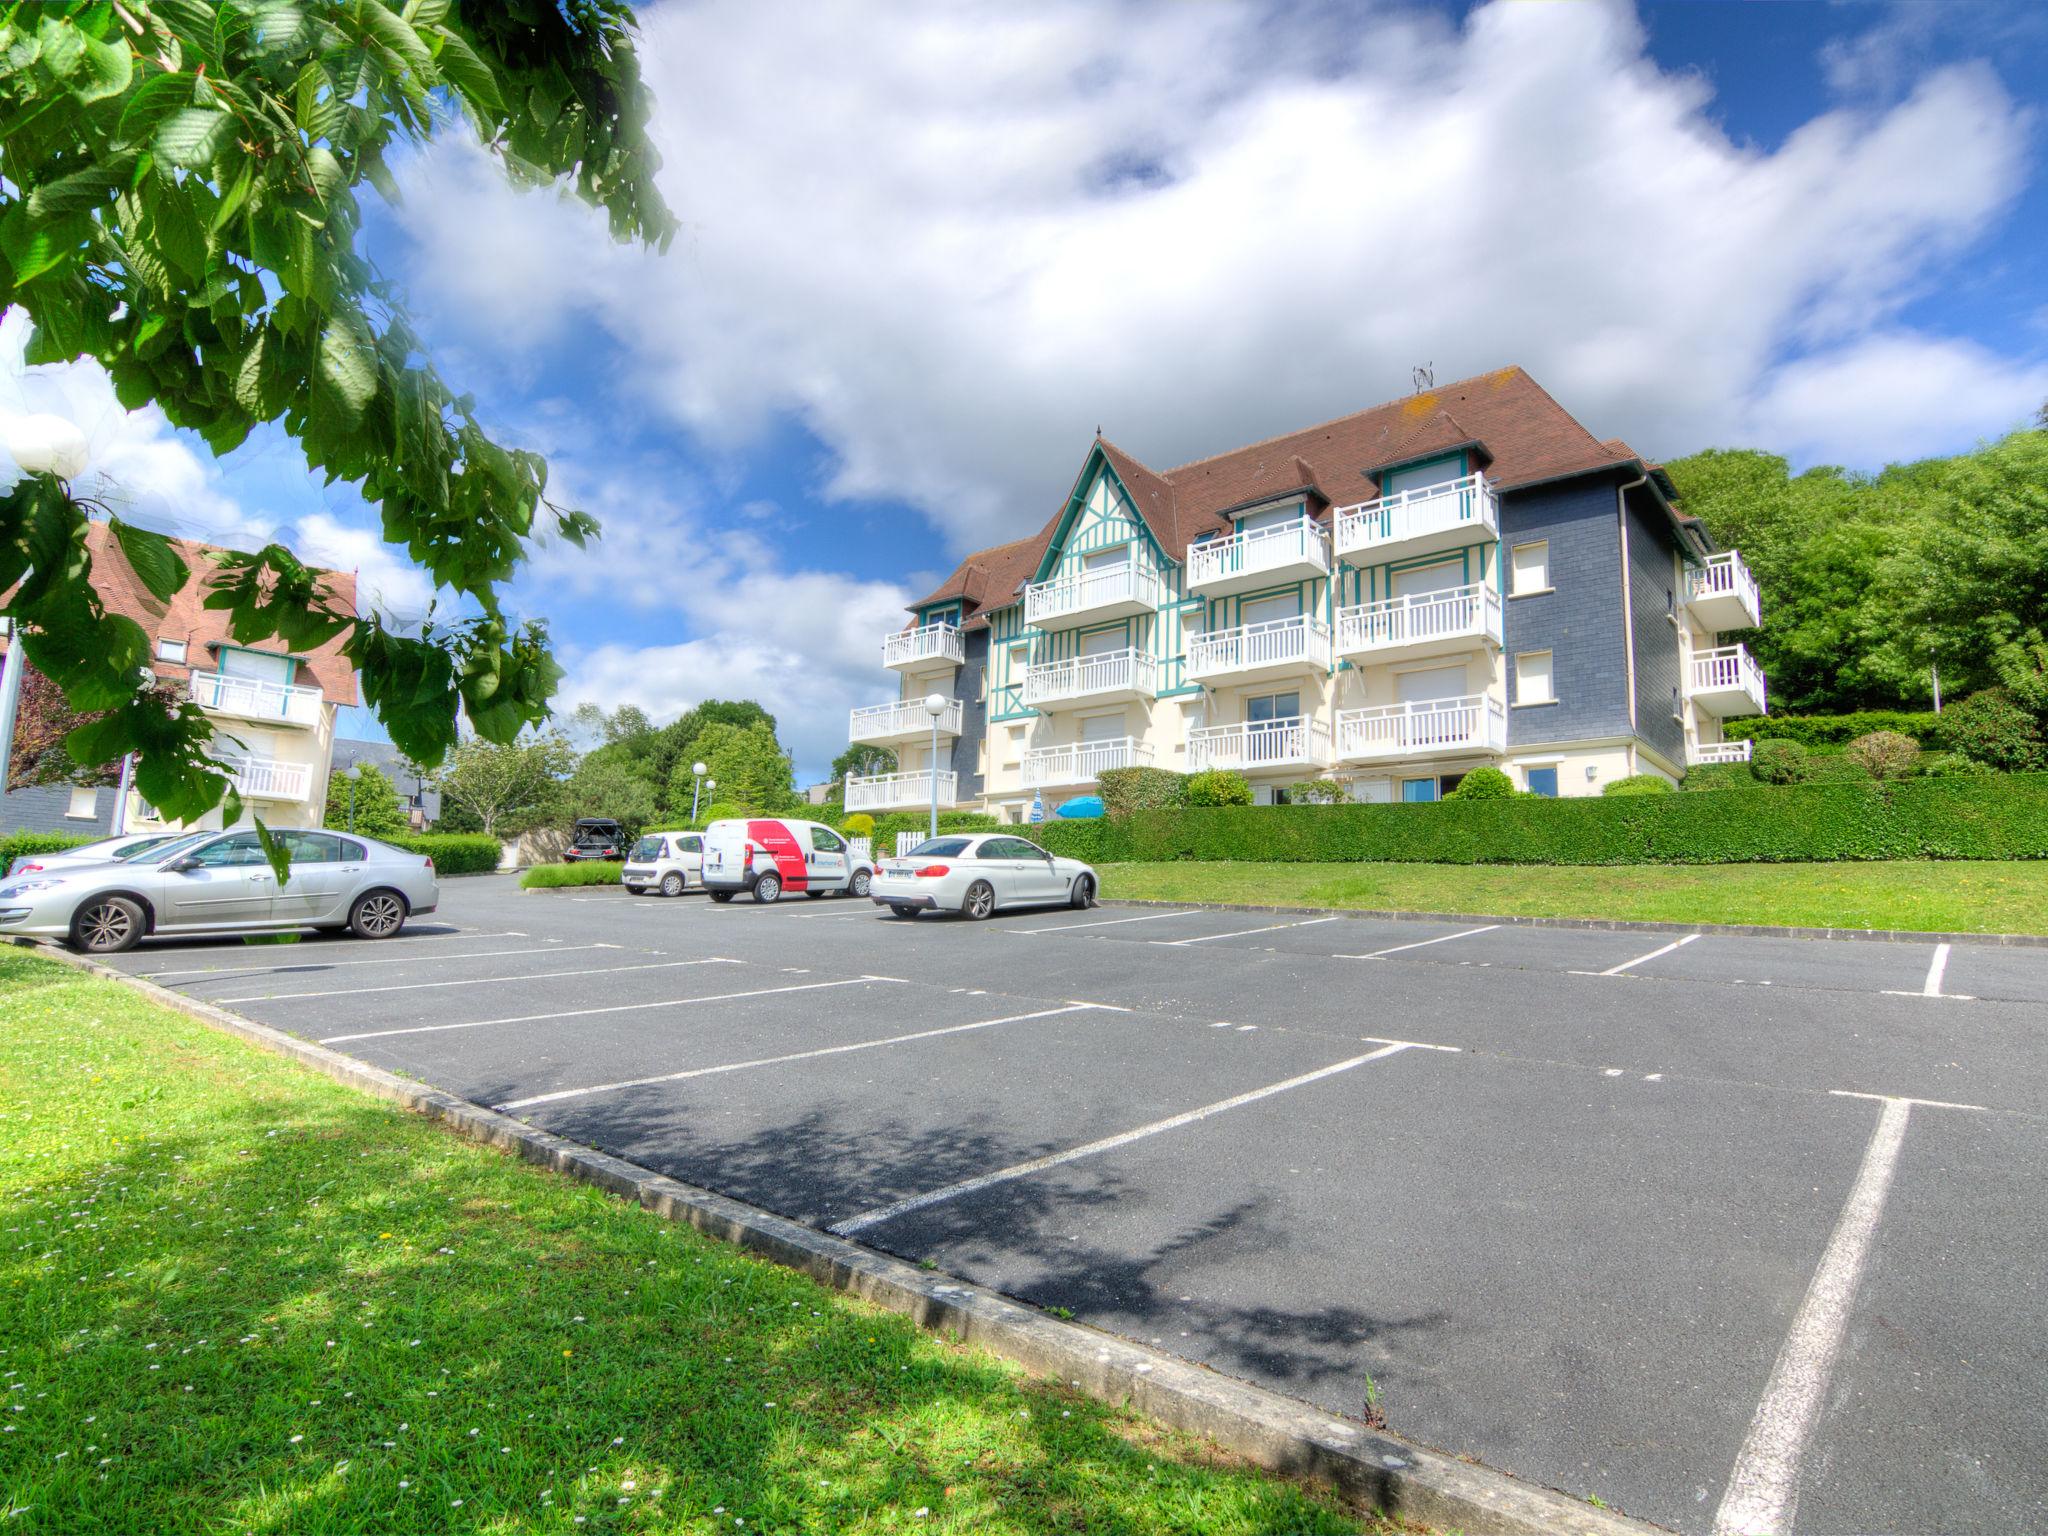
(859,887)
(1084,891)
(672,884)
(981,900)
(377,915)
(108,926)
(768,888)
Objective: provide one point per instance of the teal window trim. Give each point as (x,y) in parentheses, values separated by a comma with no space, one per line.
(292,663)
(940,613)
(1182,691)
(1379,476)
(1093,468)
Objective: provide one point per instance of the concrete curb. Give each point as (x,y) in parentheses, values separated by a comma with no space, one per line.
(1272,1431)
(1616,924)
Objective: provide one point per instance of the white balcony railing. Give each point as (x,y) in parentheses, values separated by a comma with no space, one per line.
(1294,742)
(1296,644)
(1081,761)
(1081,677)
(255,698)
(1428,620)
(890,791)
(1727,681)
(1300,548)
(265,778)
(1429,517)
(1698,755)
(1426,728)
(904,720)
(1723,593)
(1128,588)
(928,644)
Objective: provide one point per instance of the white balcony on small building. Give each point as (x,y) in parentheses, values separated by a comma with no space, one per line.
(1109,592)
(1726,681)
(1103,678)
(265,778)
(1080,762)
(928,645)
(899,791)
(1296,550)
(1422,521)
(1424,728)
(1293,742)
(1292,647)
(905,720)
(1699,755)
(1426,624)
(255,698)
(1722,594)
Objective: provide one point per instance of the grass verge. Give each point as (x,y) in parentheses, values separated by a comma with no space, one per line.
(237,1296)
(1921,896)
(548,877)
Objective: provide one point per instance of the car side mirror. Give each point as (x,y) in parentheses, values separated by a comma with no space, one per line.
(181,866)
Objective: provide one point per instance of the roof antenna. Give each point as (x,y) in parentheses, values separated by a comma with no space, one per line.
(1424,377)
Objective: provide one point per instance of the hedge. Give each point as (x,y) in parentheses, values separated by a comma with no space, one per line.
(540,877)
(15,844)
(1924,726)
(453,853)
(1946,818)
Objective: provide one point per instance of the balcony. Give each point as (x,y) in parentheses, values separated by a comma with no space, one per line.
(1723,595)
(929,645)
(1726,682)
(1698,756)
(1294,647)
(1426,728)
(1262,557)
(265,778)
(898,791)
(1082,761)
(1427,624)
(1103,678)
(1294,742)
(906,720)
(1116,592)
(255,698)
(1424,521)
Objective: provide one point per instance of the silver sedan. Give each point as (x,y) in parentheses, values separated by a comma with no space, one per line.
(977,874)
(222,883)
(132,846)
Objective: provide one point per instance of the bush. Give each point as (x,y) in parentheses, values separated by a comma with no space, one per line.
(1924,818)
(1125,790)
(1884,754)
(1992,728)
(725,810)
(859,824)
(1485,783)
(453,853)
(18,844)
(1315,792)
(1952,765)
(1718,776)
(1779,762)
(1923,726)
(1638,784)
(548,877)
(1218,786)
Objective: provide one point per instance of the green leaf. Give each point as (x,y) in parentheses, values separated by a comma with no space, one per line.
(107,70)
(33,246)
(463,68)
(192,136)
(274,850)
(82,189)
(154,100)
(393,32)
(152,558)
(348,367)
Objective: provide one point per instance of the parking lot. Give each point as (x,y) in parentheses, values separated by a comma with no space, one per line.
(1717,1229)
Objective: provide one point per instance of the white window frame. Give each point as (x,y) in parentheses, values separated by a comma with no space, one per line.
(1515,570)
(173,651)
(90,800)
(1549,678)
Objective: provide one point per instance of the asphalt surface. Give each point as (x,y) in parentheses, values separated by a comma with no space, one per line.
(1636,1216)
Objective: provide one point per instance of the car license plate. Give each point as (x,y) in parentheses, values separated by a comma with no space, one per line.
(899,871)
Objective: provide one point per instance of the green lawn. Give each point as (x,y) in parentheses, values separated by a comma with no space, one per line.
(236,1296)
(1923,896)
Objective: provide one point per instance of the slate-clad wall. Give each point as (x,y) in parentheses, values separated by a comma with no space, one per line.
(1580,621)
(1652,585)
(43,807)
(967,687)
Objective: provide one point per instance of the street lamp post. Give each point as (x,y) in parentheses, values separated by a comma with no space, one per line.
(355,772)
(696,788)
(935,706)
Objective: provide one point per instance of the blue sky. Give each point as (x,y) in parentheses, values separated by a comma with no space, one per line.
(920,263)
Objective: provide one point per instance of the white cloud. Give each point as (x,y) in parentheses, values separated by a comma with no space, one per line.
(955,243)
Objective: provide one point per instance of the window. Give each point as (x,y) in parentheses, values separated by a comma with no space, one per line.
(1269,709)
(261,665)
(1532,568)
(1266,610)
(825,840)
(1532,678)
(1542,781)
(689,845)
(1418,791)
(230,852)
(312,847)
(1444,576)
(1008,848)
(83,805)
(1107,559)
(1417,476)
(1105,642)
(943,848)
(352,853)
(1278,517)
(171,651)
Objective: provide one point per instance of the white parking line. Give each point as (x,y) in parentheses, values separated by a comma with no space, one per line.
(1763,1489)
(227,971)
(1616,970)
(1442,938)
(1246,932)
(867,1219)
(584,1013)
(1932,986)
(774,1061)
(1107,922)
(474,981)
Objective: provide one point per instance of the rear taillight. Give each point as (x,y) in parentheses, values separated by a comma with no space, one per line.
(430,864)
(750,858)
(23,868)
(934,872)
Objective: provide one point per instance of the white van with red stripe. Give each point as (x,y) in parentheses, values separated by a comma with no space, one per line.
(772,856)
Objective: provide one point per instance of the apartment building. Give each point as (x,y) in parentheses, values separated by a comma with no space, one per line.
(1467,576)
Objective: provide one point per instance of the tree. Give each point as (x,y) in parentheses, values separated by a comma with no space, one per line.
(507,788)
(607,787)
(43,722)
(180,205)
(862,759)
(748,763)
(677,741)
(377,810)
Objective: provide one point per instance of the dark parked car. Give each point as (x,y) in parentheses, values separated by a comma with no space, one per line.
(596,837)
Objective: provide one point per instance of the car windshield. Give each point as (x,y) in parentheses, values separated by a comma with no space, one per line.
(175,846)
(940,848)
(647,848)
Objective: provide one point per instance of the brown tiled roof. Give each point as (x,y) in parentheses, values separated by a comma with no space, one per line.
(1524,437)
(186,618)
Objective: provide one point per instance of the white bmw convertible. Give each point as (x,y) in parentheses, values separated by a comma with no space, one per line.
(978,874)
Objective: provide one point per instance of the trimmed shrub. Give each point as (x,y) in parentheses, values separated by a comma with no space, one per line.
(19,844)
(1125,790)
(453,853)
(859,824)
(1992,727)
(1718,776)
(548,877)
(1923,726)
(1638,784)
(1953,765)
(1884,754)
(1779,762)
(1483,783)
(1315,792)
(1218,786)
